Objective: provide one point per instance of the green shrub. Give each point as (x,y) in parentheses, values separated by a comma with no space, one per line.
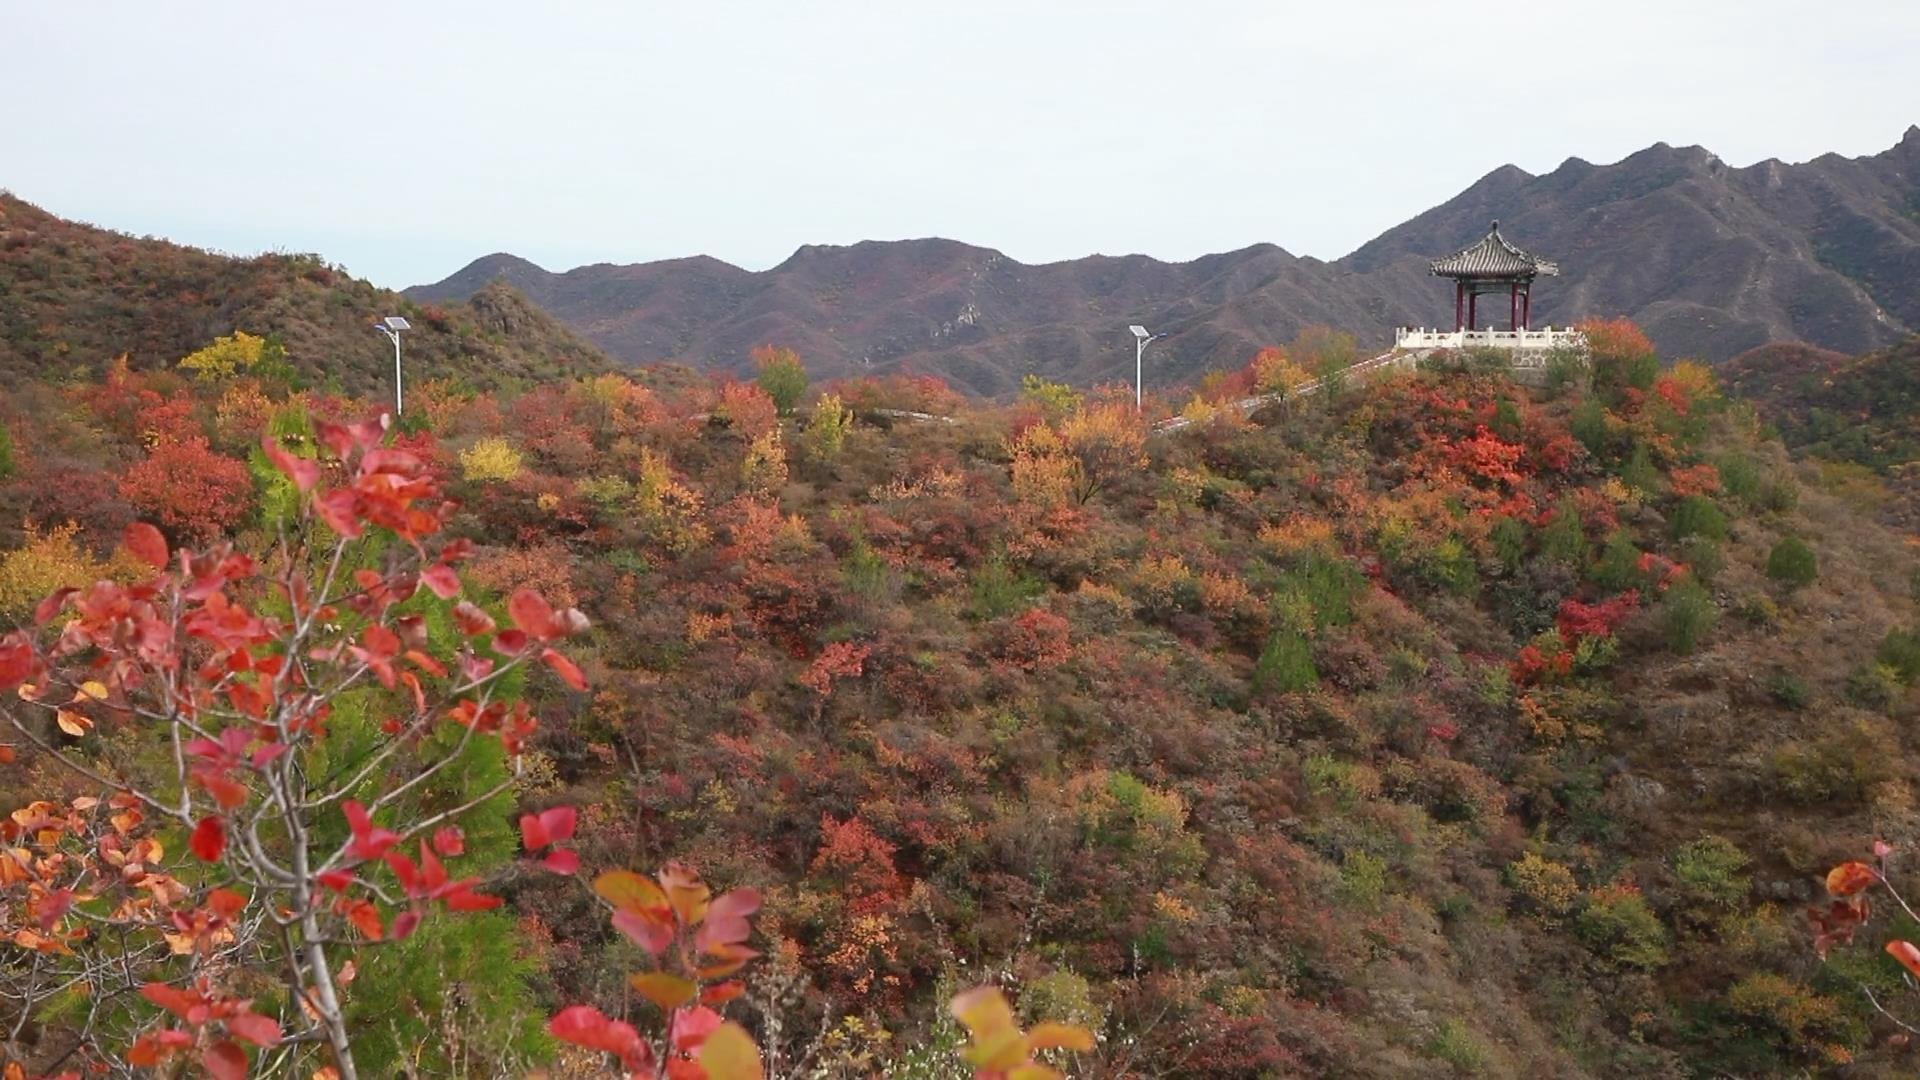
(1702,556)
(1325,585)
(1054,399)
(1900,652)
(1779,494)
(1687,615)
(1739,477)
(1564,538)
(1696,515)
(1874,686)
(1838,770)
(1757,608)
(1450,565)
(1589,425)
(1639,472)
(998,590)
(1509,537)
(1789,690)
(782,376)
(1793,563)
(6,453)
(1363,879)
(1620,929)
(1454,1044)
(1709,872)
(1567,369)
(1618,568)
(1285,665)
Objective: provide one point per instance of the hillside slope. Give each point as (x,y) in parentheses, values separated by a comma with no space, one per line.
(1433,727)
(1863,409)
(72,297)
(1711,260)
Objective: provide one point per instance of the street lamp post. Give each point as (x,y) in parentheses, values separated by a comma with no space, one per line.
(391,326)
(1141,339)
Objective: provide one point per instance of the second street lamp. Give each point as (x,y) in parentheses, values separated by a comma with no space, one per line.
(391,326)
(1140,341)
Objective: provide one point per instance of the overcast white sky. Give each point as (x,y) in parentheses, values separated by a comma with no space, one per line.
(405,138)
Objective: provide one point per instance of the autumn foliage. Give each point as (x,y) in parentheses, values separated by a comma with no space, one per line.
(1443,724)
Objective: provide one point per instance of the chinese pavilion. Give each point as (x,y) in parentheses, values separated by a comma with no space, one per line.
(1491,265)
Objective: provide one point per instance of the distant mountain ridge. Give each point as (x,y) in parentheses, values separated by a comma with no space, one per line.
(1710,259)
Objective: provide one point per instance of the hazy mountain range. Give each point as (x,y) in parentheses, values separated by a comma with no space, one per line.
(1711,260)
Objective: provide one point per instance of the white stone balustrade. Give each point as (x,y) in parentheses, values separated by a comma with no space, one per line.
(1547,338)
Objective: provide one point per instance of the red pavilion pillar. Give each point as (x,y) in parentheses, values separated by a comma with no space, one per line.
(1473,313)
(1459,303)
(1513,305)
(1526,308)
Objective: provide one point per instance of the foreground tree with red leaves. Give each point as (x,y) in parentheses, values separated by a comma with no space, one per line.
(1848,911)
(199,703)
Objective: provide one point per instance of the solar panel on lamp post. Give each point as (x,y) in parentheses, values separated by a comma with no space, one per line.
(1140,341)
(391,326)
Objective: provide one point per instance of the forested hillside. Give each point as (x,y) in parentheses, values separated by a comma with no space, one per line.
(1437,726)
(73,297)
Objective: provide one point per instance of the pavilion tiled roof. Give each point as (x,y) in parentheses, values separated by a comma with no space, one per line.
(1492,257)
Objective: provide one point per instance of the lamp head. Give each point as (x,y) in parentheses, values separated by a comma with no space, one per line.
(1139,331)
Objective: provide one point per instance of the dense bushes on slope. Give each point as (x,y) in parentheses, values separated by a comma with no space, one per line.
(1435,726)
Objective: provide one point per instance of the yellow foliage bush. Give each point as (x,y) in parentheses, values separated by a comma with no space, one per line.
(670,510)
(491,459)
(53,560)
(1549,886)
(238,351)
(1274,372)
(828,426)
(1044,474)
(764,469)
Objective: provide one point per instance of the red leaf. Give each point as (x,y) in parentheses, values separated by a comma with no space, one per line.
(472,621)
(254,1028)
(209,839)
(721,993)
(225,1061)
(584,1025)
(692,1026)
(1850,877)
(404,924)
(650,934)
(303,472)
(368,842)
(337,880)
(1904,952)
(561,861)
(55,905)
(226,903)
(16,661)
(559,821)
(533,834)
(51,606)
(448,840)
(226,791)
(173,999)
(145,543)
(464,900)
(442,580)
(568,671)
(531,614)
